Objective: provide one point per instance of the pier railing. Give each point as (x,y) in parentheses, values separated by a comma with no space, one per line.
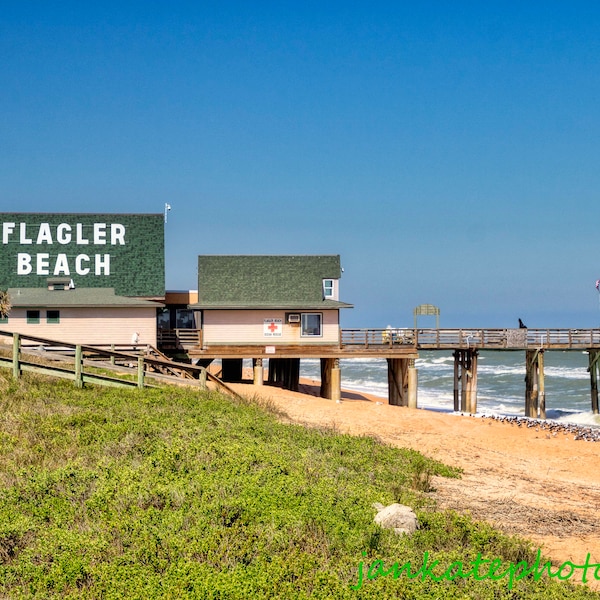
(433,339)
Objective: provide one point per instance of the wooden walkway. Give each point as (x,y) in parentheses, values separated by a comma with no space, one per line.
(132,366)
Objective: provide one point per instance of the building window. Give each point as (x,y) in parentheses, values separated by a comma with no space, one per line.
(328,288)
(33,317)
(184,319)
(53,316)
(311,325)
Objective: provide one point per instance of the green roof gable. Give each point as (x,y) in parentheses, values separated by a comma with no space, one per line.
(266,281)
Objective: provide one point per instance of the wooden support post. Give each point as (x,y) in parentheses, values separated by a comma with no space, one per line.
(535,400)
(285,372)
(258,372)
(528,381)
(594,356)
(292,374)
(202,378)
(541,387)
(456,381)
(398,381)
(112,356)
(140,372)
(472,382)
(331,379)
(336,380)
(412,379)
(16,354)
(326,366)
(276,371)
(78,367)
(465,380)
(464,367)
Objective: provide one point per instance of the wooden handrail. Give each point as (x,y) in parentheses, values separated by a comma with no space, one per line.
(495,339)
(17,363)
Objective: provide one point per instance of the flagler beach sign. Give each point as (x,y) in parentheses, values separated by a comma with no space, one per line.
(122,251)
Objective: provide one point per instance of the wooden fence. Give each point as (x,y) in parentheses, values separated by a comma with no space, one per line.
(40,355)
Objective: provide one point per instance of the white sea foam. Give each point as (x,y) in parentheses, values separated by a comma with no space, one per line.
(588,419)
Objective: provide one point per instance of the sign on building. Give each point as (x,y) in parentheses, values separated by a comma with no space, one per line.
(272,327)
(121,251)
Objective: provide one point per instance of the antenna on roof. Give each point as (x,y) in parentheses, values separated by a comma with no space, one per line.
(167,209)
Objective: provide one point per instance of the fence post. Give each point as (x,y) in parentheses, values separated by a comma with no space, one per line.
(112,356)
(16,353)
(78,367)
(140,372)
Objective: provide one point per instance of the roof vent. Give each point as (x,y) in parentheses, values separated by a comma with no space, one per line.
(56,284)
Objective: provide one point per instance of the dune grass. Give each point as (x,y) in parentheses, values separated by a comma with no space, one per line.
(174,493)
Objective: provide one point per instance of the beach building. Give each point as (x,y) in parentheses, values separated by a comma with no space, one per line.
(275,307)
(83,278)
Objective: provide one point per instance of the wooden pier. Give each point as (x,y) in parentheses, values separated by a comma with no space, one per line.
(400,347)
(465,345)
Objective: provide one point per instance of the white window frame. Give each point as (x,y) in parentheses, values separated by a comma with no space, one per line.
(304,325)
(330,285)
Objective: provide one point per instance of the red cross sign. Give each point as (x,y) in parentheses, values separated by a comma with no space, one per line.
(272,327)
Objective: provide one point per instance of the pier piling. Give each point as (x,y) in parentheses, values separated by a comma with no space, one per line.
(465,380)
(535,396)
(594,356)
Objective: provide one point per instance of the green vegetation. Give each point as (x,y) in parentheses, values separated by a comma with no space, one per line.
(5,304)
(171,493)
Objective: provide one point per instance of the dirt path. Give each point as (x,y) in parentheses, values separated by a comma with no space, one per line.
(542,485)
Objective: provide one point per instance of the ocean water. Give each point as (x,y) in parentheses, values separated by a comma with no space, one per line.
(500,383)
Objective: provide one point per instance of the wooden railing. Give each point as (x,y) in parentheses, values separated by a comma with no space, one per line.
(426,339)
(40,355)
(368,338)
(179,338)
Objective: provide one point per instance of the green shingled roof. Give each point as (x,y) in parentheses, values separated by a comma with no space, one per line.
(79,297)
(266,281)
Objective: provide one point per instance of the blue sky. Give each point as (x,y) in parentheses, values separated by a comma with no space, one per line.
(448,151)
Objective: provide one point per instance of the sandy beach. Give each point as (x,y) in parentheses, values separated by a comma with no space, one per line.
(540,484)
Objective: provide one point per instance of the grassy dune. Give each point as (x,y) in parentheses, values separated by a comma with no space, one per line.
(172,493)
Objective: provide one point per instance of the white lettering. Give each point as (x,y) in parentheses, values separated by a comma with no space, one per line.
(23,264)
(23,232)
(99,233)
(7,229)
(62,265)
(81,241)
(43,265)
(117,234)
(79,268)
(63,233)
(44,234)
(102,264)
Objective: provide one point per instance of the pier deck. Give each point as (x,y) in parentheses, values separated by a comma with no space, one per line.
(391,343)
